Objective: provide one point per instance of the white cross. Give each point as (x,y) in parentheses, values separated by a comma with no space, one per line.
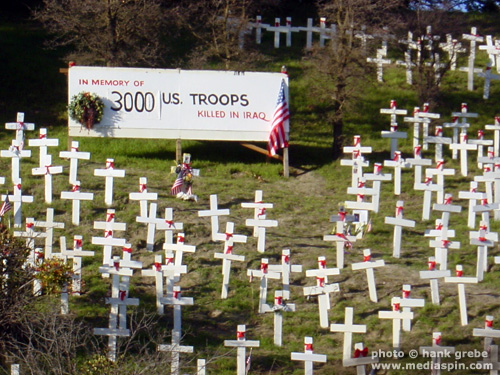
(177,301)
(278,29)
(397,163)
(436,352)
(480,142)
(441,245)
(485,207)
(259,208)
(75,195)
(76,255)
(43,142)
(308,357)
(214,212)
(407,303)
(417,162)
(20,127)
(278,308)
(241,343)
(433,275)
(488,77)
(258,26)
(428,187)
(169,226)
(398,223)
(342,241)
(461,281)
(492,362)
(496,135)
(357,161)
(179,248)
(15,152)
(18,199)
(472,196)
(143,196)
(175,349)
(492,50)
(473,37)
(322,288)
(440,172)
(487,332)
(427,118)
(463,147)
(109,173)
(285,269)
(74,155)
(261,225)
(368,265)
(439,141)
(463,115)
(393,111)
(360,360)
(49,224)
(482,239)
(109,241)
(380,61)
(309,32)
(263,274)
(408,64)
(326,33)
(396,315)
(48,170)
(453,47)
(348,328)
(377,177)
(227,257)
(151,220)
(361,191)
(447,208)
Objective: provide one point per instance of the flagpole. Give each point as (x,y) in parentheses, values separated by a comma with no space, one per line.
(286,171)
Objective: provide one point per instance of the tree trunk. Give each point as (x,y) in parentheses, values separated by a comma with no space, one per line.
(338,138)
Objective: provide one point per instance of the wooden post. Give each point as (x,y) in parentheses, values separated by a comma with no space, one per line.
(178,150)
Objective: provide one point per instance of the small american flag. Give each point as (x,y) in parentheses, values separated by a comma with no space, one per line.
(6,206)
(248,362)
(177,186)
(277,137)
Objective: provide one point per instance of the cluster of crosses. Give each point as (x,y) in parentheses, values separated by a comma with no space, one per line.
(168,267)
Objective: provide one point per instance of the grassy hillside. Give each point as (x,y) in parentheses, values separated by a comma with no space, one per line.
(302,205)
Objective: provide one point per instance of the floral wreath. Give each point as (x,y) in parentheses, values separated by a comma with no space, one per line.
(86,109)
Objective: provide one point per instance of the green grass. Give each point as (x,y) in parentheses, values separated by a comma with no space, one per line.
(302,205)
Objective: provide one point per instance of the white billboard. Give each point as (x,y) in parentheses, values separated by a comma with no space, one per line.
(179,104)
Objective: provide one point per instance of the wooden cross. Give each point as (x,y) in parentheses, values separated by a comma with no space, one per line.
(463,115)
(278,308)
(264,274)
(380,62)
(357,161)
(322,288)
(430,38)
(480,142)
(453,47)
(76,254)
(278,29)
(461,281)
(492,50)
(398,223)
(308,357)
(169,226)
(259,208)
(179,248)
(241,343)
(472,196)
(361,191)
(309,29)
(227,257)
(487,332)
(15,153)
(427,118)
(409,65)
(485,208)
(109,241)
(473,37)
(20,127)
(488,77)
(74,155)
(368,265)
(75,195)
(397,163)
(363,36)
(440,172)
(441,245)
(151,220)
(285,269)
(177,301)
(143,196)
(258,25)
(18,199)
(261,225)
(377,177)
(175,349)
(482,239)
(433,275)
(393,134)
(109,173)
(436,352)
(14,369)
(396,315)
(214,214)
(342,241)
(408,303)
(49,224)
(360,359)
(463,147)
(428,187)
(48,170)
(348,328)
(439,141)
(447,208)
(159,271)
(496,135)
(492,363)
(417,162)
(43,142)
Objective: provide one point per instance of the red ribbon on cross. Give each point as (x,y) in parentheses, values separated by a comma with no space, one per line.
(377,168)
(278,301)
(122,294)
(432,265)
(142,188)
(157,266)
(356,154)
(459,273)
(177,294)
(488,323)
(320,281)
(448,200)
(360,353)
(425,107)
(180,239)
(78,242)
(454,119)
(437,340)
(240,335)
(497,120)
(445,243)
(484,201)
(308,347)
(39,254)
(439,226)
(264,267)
(110,216)
(229,250)
(228,236)
(428,180)
(357,140)
(116,265)
(322,262)
(486,168)
(342,215)
(483,227)
(438,131)
(395,306)
(108,233)
(361,197)
(396,156)
(74,149)
(170,223)
(110,165)
(169,260)
(440,164)
(75,188)
(480,134)
(262,211)
(367,258)
(482,239)
(416,110)
(42,136)
(417,150)
(406,293)
(399,210)
(394,128)
(393,104)
(285,259)
(127,249)
(20,126)
(463,107)
(30,225)
(18,186)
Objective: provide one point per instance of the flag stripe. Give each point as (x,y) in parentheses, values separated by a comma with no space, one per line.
(6,206)
(277,136)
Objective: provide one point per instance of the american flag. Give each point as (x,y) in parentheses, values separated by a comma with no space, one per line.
(277,137)
(6,206)
(177,186)
(248,362)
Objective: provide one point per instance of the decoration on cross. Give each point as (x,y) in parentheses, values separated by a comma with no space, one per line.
(182,187)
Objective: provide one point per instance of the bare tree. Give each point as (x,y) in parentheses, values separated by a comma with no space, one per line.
(108,32)
(340,68)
